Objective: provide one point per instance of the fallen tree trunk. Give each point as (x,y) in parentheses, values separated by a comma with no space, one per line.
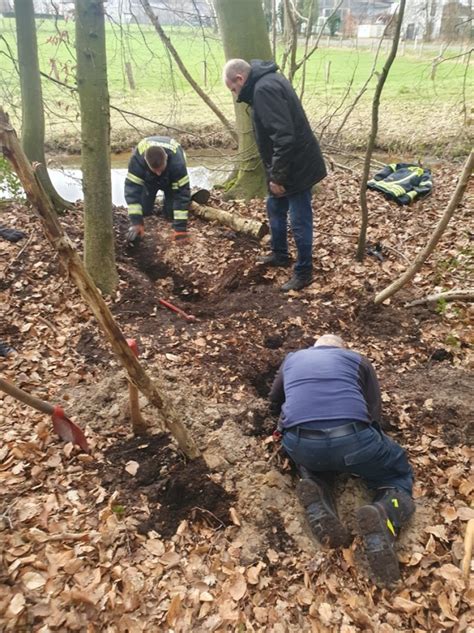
(435,236)
(449,295)
(91,295)
(237,222)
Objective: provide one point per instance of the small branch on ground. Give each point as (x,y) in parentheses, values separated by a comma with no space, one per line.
(449,295)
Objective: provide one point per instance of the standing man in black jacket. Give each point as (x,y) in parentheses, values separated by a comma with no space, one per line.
(157,163)
(291,156)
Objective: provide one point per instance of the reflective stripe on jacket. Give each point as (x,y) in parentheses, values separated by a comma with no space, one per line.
(174,178)
(402,182)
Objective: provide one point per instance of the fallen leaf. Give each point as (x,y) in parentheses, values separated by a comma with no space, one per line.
(238,587)
(205,596)
(132,467)
(407,606)
(261,614)
(155,547)
(443,602)
(453,575)
(17,604)
(32,580)
(325,612)
(428,404)
(449,514)
(173,610)
(170,559)
(305,596)
(253,573)
(234,516)
(465,513)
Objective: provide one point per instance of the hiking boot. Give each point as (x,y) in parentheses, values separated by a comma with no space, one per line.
(274,260)
(297,283)
(379,525)
(321,512)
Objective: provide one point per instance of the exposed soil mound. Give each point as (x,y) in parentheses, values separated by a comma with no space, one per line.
(175,490)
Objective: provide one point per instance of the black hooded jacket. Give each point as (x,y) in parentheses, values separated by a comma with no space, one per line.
(289,150)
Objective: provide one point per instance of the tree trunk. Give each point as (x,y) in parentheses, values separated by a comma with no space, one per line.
(244,35)
(99,252)
(248,226)
(373,134)
(32,120)
(437,233)
(74,267)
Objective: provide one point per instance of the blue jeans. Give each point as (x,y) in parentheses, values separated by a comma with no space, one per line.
(301,221)
(369,453)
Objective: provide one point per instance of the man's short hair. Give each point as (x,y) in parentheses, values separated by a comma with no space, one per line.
(155,157)
(235,67)
(331,340)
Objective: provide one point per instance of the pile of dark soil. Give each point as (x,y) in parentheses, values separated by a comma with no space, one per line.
(175,490)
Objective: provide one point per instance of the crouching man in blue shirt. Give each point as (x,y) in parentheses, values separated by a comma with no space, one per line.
(329,402)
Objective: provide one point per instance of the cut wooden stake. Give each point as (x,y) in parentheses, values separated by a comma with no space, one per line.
(468,542)
(72,263)
(139,426)
(237,222)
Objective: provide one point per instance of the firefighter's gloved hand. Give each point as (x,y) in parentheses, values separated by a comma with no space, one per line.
(135,233)
(181,237)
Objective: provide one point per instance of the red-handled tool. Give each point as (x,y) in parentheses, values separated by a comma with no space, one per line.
(67,430)
(170,306)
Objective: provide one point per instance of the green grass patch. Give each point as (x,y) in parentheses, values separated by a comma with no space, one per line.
(334,75)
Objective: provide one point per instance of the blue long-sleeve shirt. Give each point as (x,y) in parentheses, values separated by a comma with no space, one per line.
(326,383)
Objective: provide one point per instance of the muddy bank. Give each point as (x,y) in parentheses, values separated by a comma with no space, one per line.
(122,140)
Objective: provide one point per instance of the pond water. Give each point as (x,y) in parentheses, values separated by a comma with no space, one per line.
(68,182)
(206,168)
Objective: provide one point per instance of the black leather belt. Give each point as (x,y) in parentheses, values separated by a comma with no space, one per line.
(337,431)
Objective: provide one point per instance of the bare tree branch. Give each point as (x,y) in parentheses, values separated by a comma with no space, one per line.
(449,295)
(174,53)
(373,133)
(364,87)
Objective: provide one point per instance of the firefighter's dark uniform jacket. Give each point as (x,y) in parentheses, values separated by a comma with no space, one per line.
(402,182)
(173,181)
(289,150)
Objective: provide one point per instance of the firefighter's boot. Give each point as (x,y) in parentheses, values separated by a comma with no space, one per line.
(315,495)
(379,525)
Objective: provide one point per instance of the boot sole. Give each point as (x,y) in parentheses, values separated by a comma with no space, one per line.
(276,264)
(378,545)
(326,526)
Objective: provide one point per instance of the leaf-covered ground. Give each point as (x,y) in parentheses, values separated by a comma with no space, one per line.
(130,537)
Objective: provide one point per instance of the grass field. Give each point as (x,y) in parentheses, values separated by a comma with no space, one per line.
(416,109)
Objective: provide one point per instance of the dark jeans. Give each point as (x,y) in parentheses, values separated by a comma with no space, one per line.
(369,453)
(301,221)
(148,201)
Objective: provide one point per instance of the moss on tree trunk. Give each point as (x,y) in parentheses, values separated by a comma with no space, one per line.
(244,35)
(99,253)
(32,120)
